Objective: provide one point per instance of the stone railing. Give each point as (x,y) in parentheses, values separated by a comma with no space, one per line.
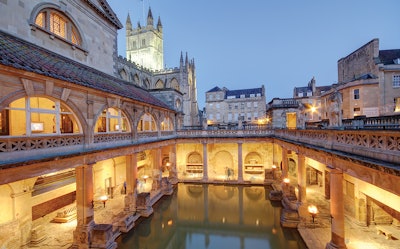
(11,144)
(382,145)
(112,137)
(147,134)
(224,133)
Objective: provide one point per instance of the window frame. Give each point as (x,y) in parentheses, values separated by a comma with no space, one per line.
(356,95)
(72,31)
(396,80)
(60,111)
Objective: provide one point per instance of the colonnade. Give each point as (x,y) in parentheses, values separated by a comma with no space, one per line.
(336,198)
(88,234)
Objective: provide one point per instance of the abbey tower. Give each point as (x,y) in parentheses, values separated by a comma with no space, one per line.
(144,45)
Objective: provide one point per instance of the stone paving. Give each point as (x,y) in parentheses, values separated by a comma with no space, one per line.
(316,235)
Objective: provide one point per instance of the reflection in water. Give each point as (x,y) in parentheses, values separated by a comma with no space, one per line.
(213,216)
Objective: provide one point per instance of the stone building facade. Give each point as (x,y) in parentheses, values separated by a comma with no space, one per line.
(143,67)
(73,137)
(368,85)
(235,108)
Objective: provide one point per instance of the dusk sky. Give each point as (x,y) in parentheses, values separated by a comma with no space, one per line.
(279,44)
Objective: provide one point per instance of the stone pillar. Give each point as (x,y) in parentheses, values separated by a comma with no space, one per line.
(337,210)
(240,163)
(302,178)
(285,166)
(84,206)
(205,162)
(302,186)
(157,174)
(131,183)
(360,204)
(173,177)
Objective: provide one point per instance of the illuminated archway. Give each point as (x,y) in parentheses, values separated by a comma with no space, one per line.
(147,123)
(37,116)
(112,120)
(167,125)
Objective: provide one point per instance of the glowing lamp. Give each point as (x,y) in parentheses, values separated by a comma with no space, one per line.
(313,210)
(104,199)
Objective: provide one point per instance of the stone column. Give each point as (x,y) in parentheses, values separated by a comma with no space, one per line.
(131,183)
(301,178)
(240,163)
(302,186)
(337,210)
(173,176)
(285,166)
(205,162)
(84,206)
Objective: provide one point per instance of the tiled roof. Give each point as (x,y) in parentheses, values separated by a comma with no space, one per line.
(246,92)
(20,54)
(387,57)
(215,89)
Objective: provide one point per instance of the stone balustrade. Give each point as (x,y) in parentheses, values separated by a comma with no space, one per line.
(377,144)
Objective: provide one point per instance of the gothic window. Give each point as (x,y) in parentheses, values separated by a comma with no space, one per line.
(175,84)
(136,79)
(112,120)
(58,24)
(396,80)
(159,84)
(37,116)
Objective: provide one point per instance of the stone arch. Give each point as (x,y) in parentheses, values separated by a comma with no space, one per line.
(175,84)
(147,122)
(159,84)
(124,74)
(42,6)
(135,79)
(253,158)
(111,119)
(222,161)
(146,83)
(47,114)
(194,157)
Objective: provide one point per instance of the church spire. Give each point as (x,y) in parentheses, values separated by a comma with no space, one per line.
(187,61)
(181,61)
(150,18)
(159,25)
(128,23)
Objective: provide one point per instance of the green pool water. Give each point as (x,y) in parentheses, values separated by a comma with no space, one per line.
(213,216)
